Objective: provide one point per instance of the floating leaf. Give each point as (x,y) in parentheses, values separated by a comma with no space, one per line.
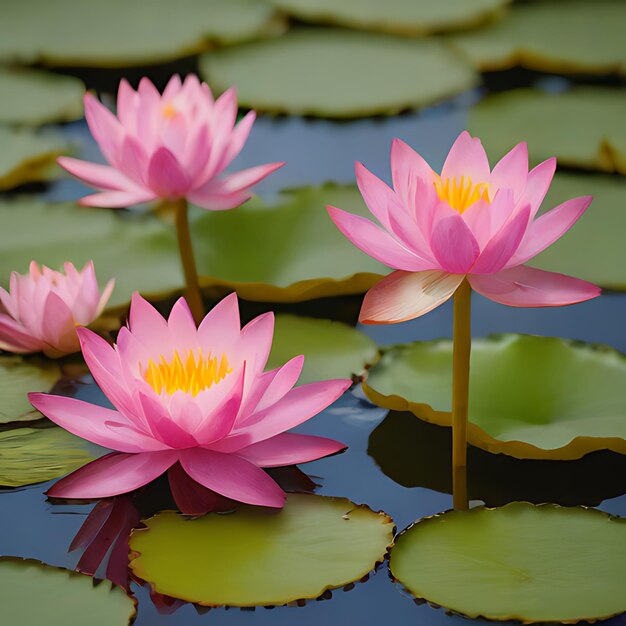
(34,97)
(400,17)
(18,376)
(582,127)
(27,156)
(257,556)
(338,73)
(415,453)
(117,33)
(530,397)
(32,592)
(34,455)
(599,232)
(564,36)
(331,349)
(523,562)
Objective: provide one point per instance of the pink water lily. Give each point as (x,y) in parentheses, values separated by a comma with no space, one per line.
(196,397)
(42,308)
(170,146)
(467,222)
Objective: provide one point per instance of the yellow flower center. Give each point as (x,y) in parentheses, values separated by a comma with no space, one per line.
(169,111)
(192,376)
(461,193)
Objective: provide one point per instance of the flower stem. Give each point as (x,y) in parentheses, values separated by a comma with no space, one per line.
(460,392)
(192,289)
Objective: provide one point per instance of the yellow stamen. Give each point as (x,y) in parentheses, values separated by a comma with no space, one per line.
(461,193)
(169,111)
(193,376)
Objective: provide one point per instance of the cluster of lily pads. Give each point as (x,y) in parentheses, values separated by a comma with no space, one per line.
(206,403)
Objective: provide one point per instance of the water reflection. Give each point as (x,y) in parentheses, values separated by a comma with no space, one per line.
(415,453)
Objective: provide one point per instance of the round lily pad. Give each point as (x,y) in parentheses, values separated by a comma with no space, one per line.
(18,376)
(598,232)
(27,156)
(582,127)
(400,17)
(338,73)
(35,455)
(331,349)
(260,557)
(564,36)
(118,33)
(32,592)
(524,562)
(33,97)
(530,397)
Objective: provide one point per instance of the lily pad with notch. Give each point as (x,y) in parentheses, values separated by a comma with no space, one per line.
(261,557)
(530,397)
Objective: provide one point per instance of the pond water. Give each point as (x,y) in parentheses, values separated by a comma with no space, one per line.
(317,151)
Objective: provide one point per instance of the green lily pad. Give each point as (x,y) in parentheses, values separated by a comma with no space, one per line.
(27,156)
(338,73)
(289,252)
(33,97)
(18,376)
(399,17)
(530,397)
(524,562)
(582,127)
(118,33)
(35,455)
(32,592)
(331,349)
(261,557)
(563,36)
(598,232)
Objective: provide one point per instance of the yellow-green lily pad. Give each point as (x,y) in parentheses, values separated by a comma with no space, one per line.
(338,73)
(530,397)
(399,17)
(18,376)
(35,455)
(331,349)
(535,564)
(261,557)
(33,97)
(118,33)
(28,156)
(32,592)
(593,248)
(563,36)
(583,127)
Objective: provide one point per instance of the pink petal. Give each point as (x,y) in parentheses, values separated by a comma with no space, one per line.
(105,128)
(379,198)
(511,171)
(113,474)
(212,200)
(503,244)
(454,245)
(466,158)
(406,164)
(166,176)
(147,324)
(173,87)
(296,407)
(289,449)
(104,297)
(376,242)
(57,326)
(282,381)
(96,175)
(403,296)
(256,342)
(127,106)
(537,185)
(232,476)
(190,496)
(134,160)
(244,179)
(117,199)
(221,327)
(182,327)
(102,426)
(239,136)
(524,286)
(545,230)
(14,338)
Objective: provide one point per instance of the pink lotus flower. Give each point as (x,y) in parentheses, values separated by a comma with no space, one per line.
(42,309)
(197,397)
(466,222)
(168,146)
